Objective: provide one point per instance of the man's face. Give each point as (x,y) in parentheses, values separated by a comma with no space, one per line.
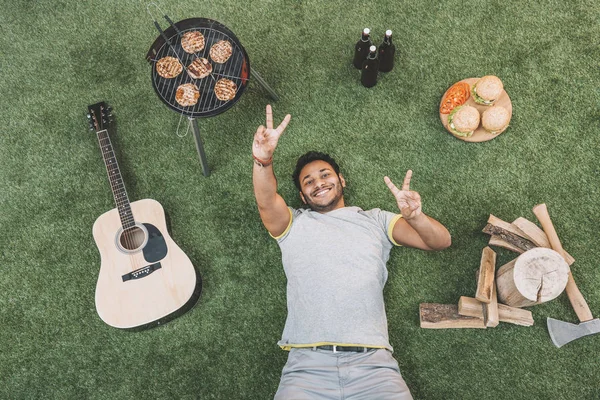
(322,189)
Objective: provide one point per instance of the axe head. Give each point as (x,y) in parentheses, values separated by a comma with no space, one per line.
(562,332)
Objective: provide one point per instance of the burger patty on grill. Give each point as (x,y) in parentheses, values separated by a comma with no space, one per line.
(168,67)
(192,42)
(225,89)
(221,51)
(187,94)
(199,68)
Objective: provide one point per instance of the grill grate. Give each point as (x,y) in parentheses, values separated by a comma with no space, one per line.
(236,68)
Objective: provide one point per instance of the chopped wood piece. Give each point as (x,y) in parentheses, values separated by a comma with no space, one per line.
(536,276)
(513,315)
(537,235)
(491,310)
(497,241)
(507,226)
(509,237)
(440,316)
(471,307)
(485,281)
(532,232)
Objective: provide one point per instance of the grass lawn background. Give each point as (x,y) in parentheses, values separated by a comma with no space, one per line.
(56,57)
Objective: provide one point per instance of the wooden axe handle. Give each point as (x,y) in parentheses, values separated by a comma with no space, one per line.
(577,301)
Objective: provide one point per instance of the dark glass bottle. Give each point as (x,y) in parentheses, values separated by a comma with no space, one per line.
(361,49)
(386,53)
(370,67)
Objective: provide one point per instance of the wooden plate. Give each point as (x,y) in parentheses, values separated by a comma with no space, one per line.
(480,134)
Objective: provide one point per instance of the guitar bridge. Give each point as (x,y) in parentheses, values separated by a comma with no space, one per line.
(142,272)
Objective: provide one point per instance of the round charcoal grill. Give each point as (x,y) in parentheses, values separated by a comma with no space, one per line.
(236,68)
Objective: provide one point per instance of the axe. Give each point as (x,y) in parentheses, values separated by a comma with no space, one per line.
(561,332)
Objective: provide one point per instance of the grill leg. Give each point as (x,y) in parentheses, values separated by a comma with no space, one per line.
(199,146)
(264,84)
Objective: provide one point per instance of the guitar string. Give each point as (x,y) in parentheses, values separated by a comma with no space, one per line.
(127,232)
(113,184)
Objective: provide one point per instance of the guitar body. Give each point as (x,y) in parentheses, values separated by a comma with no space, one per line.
(145,279)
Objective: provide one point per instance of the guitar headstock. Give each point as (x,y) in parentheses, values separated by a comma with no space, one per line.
(99,117)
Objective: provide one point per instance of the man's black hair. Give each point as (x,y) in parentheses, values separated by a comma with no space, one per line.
(308,158)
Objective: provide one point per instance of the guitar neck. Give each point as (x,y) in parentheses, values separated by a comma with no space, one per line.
(115,179)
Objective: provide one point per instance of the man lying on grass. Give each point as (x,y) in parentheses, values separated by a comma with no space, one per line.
(334,257)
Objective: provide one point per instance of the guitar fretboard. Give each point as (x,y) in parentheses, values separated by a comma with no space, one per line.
(116,180)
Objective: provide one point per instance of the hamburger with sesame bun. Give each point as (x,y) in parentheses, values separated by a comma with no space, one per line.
(495,120)
(463,120)
(487,90)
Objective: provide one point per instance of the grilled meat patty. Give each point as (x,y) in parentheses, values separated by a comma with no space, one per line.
(221,51)
(168,67)
(225,89)
(199,68)
(192,42)
(187,94)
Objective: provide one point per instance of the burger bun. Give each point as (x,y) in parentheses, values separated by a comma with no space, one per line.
(495,120)
(487,90)
(463,120)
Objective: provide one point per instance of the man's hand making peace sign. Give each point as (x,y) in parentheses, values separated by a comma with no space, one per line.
(265,139)
(409,202)
(415,229)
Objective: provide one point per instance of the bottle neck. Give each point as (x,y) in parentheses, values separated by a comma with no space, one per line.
(365,38)
(372,56)
(387,40)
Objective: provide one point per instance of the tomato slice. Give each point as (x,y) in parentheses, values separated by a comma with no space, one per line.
(457,95)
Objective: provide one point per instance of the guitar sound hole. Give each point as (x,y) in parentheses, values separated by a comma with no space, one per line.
(132,238)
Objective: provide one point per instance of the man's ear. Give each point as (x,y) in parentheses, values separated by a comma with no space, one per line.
(302,197)
(342,180)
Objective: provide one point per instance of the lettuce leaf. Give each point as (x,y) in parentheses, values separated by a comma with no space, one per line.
(478,99)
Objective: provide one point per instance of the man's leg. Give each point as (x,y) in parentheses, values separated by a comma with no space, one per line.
(372,375)
(310,375)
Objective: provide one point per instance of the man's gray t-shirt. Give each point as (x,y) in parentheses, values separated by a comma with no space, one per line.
(335,264)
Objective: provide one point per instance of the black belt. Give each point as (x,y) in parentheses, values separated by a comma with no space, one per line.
(361,349)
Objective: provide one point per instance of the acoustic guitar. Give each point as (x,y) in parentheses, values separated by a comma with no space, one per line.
(145,279)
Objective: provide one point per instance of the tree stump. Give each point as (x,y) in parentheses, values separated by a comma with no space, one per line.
(536,276)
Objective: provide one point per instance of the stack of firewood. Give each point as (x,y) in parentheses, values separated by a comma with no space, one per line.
(537,275)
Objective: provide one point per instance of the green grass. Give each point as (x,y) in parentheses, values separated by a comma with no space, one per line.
(56,57)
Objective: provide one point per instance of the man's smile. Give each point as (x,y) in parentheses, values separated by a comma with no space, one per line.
(321,192)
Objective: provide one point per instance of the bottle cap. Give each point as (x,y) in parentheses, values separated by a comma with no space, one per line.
(372,49)
(388,32)
(366,31)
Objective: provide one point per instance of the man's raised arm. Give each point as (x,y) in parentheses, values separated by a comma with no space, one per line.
(274,213)
(416,229)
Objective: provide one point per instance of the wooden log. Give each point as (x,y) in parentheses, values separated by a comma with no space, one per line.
(486,291)
(507,226)
(441,316)
(485,280)
(537,235)
(536,276)
(508,232)
(471,307)
(491,310)
(532,232)
(514,315)
(497,241)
